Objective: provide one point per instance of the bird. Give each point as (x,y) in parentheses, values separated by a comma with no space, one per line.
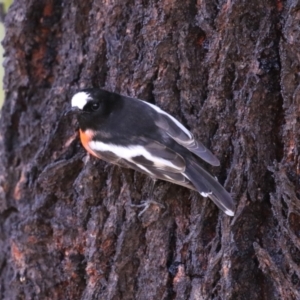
(136,134)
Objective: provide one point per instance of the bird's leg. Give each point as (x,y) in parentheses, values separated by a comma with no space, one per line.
(147,203)
(151,191)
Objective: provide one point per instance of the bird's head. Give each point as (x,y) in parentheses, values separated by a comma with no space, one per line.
(91,106)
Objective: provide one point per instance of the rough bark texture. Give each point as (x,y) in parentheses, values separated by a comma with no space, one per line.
(230,72)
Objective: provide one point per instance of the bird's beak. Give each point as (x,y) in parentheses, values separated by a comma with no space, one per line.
(72,110)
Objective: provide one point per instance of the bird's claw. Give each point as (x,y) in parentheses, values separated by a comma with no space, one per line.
(145,205)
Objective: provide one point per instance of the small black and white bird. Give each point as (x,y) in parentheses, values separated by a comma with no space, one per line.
(135,134)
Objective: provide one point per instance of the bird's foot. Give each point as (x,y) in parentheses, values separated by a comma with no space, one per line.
(146,204)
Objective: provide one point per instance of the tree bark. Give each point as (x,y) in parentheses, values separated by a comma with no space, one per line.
(229,71)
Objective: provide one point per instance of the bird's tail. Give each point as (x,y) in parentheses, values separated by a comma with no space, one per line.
(208,186)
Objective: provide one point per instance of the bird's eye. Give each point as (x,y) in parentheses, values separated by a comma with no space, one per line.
(95,106)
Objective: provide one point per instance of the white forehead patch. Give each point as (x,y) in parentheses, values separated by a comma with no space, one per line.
(80,100)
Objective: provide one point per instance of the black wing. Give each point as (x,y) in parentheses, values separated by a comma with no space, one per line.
(146,156)
(181,135)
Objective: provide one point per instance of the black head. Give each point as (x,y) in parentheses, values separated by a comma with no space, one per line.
(93,107)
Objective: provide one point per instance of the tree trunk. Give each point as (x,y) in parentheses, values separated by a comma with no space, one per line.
(229,71)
